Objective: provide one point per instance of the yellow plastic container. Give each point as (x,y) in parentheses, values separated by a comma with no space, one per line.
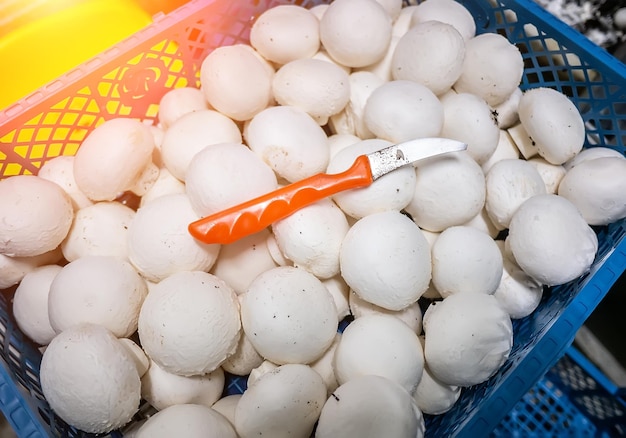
(53,40)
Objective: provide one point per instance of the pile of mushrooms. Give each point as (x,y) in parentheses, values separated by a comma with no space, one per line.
(129,306)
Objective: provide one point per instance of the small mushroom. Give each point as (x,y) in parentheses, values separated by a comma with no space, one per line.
(60,170)
(30,304)
(115,157)
(553,122)
(370,406)
(103,290)
(506,113)
(244,359)
(410,315)
(189,323)
(99,229)
(166,184)
(35,216)
(446,11)
(550,240)
(180,101)
(163,389)
(196,421)
(385,259)
(289,316)
(284,402)
(355,49)
(87,363)
(592,153)
(15,268)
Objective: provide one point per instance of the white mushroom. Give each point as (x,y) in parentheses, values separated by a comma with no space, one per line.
(337,142)
(393,7)
(449,190)
(103,290)
(551,174)
(311,237)
(385,259)
(285,33)
(551,241)
(509,183)
(483,223)
(370,406)
(227,406)
(403,23)
(319,10)
(13,269)
(214,183)
(166,184)
(244,359)
(382,68)
(89,379)
(469,119)
(553,122)
(236,82)
(284,402)
(403,110)
(177,102)
(365,348)
(35,215)
(240,262)
(465,260)
(289,140)
(325,368)
(322,55)
(196,421)
(189,323)
(410,315)
(265,367)
(468,338)
(492,68)
(339,290)
(592,153)
(159,243)
(522,140)
(190,134)
(506,112)
(319,88)
(141,360)
(60,170)
(390,192)
(30,304)
(115,157)
(430,53)
(99,229)
(163,389)
(350,48)
(505,150)
(446,11)
(598,189)
(289,316)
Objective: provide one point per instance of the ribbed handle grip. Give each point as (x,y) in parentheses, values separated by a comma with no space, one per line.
(253,216)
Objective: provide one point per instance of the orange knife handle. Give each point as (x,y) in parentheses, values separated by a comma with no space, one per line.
(253,216)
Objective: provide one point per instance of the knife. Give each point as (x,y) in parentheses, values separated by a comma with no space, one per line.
(250,217)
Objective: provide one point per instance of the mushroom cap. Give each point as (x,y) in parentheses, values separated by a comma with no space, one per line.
(190,134)
(285,33)
(449,190)
(505,150)
(339,290)
(319,88)
(597,188)
(469,119)
(592,153)
(370,406)
(325,368)
(188,420)
(163,389)
(389,192)
(468,338)
(35,215)
(244,359)
(214,183)
(551,241)
(553,122)
(393,7)
(15,268)
(311,237)
(103,290)
(283,402)
(403,110)
(89,379)
(30,304)
(434,397)
(165,184)
(289,140)
(289,315)
(506,112)
(112,158)
(385,259)
(177,102)
(509,183)
(350,48)
(189,323)
(430,53)
(159,243)
(236,82)
(465,260)
(60,170)
(446,11)
(551,174)
(139,356)
(492,68)
(410,315)
(226,406)
(365,348)
(99,229)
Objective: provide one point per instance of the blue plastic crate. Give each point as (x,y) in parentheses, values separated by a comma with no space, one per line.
(130,78)
(573,399)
